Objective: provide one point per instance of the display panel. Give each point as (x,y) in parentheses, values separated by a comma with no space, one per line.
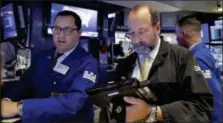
(120,38)
(216,33)
(170,37)
(168,21)
(89,18)
(8,22)
(205,33)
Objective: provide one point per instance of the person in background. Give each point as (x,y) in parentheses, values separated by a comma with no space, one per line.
(121,49)
(130,51)
(181,90)
(189,36)
(53,89)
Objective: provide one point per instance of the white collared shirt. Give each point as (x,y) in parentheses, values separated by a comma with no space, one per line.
(65,54)
(137,73)
(152,56)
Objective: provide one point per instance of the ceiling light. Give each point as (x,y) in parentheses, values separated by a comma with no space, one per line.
(219,9)
(219,6)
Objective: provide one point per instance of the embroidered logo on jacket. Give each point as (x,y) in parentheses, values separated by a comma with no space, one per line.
(90,76)
(197,68)
(207,74)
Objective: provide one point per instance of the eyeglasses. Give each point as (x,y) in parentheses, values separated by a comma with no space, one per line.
(66,30)
(141,32)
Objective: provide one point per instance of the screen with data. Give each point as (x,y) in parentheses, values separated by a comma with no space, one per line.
(216,51)
(124,41)
(216,32)
(89,18)
(8,22)
(168,20)
(205,32)
(170,37)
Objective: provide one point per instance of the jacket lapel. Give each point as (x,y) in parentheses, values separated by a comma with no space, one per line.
(163,51)
(132,63)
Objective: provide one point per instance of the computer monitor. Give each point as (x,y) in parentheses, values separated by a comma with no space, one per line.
(170,37)
(216,51)
(8,22)
(205,32)
(89,18)
(111,15)
(216,33)
(168,21)
(120,38)
(218,22)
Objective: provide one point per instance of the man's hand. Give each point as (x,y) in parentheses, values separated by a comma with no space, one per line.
(138,110)
(8,109)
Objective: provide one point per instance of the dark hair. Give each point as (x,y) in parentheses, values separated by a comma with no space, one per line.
(153,13)
(190,20)
(76,17)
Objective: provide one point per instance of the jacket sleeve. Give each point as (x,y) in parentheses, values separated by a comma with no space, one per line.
(212,75)
(62,107)
(196,106)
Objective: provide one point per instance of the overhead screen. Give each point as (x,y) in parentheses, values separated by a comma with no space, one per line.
(8,22)
(170,37)
(89,18)
(168,20)
(216,32)
(205,33)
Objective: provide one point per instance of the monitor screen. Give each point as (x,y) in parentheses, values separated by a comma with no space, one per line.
(216,51)
(120,38)
(111,15)
(89,18)
(205,33)
(216,33)
(170,37)
(218,22)
(168,20)
(8,22)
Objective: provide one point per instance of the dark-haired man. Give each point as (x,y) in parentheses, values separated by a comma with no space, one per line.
(189,36)
(56,80)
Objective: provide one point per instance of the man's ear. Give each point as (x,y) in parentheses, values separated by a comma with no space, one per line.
(158,28)
(80,31)
(184,33)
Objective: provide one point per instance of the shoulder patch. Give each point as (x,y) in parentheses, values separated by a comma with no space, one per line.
(207,74)
(197,68)
(90,76)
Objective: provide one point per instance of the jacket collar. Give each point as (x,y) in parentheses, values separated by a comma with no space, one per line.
(77,54)
(161,53)
(197,47)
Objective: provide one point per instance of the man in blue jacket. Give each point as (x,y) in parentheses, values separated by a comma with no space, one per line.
(56,80)
(189,36)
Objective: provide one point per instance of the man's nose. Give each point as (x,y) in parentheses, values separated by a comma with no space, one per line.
(61,34)
(136,40)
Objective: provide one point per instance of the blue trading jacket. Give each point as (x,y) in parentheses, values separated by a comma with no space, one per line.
(73,105)
(207,64)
